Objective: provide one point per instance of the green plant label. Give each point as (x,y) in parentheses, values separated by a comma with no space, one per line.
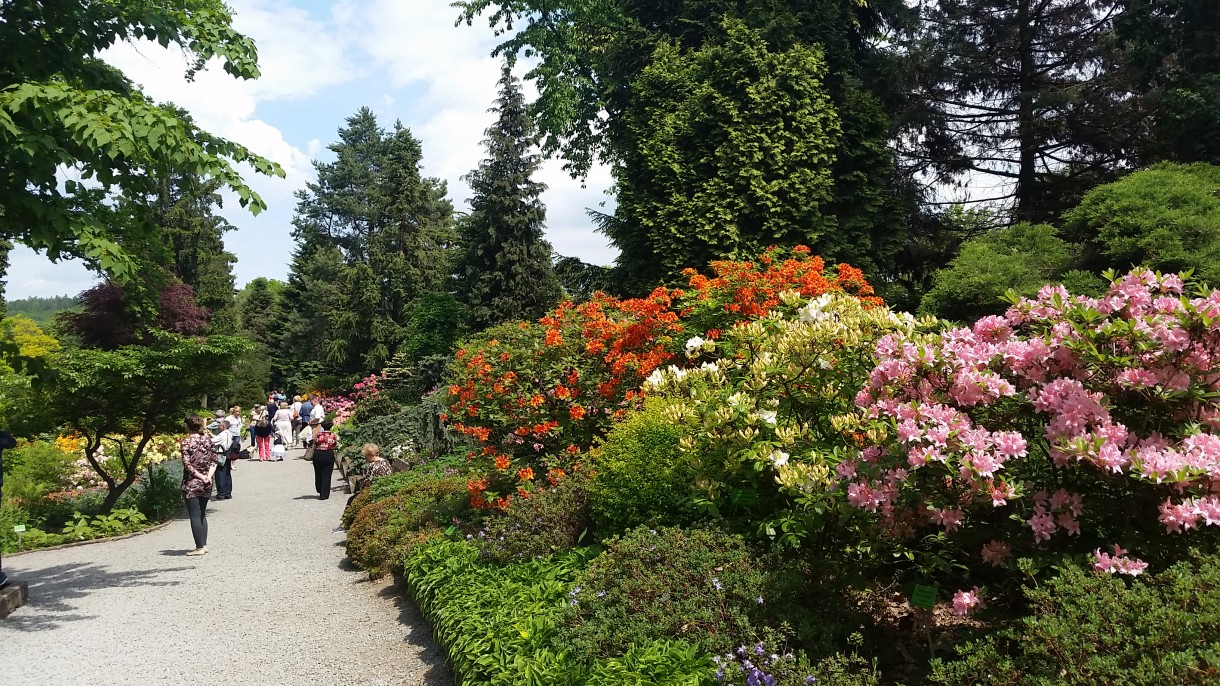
(450,530)
(744,496)
(20,528)
(923,596)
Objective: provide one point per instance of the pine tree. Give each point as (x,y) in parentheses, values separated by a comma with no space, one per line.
(504,272)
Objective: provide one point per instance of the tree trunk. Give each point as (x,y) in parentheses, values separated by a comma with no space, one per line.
(1027,164)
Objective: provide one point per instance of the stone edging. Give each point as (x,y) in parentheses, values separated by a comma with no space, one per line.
(74,544)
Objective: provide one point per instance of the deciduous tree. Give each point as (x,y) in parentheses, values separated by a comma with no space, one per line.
(61,107)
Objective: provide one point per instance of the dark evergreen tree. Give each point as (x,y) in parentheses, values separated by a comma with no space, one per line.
(1170,52)
(504,271)
(193,244)
(834,186)
(1015,100)
(372,238)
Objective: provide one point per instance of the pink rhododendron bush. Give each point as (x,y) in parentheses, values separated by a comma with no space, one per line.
(1072,426)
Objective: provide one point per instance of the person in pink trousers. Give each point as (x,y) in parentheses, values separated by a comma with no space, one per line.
(262,430)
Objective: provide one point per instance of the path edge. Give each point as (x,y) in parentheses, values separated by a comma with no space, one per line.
(105,539)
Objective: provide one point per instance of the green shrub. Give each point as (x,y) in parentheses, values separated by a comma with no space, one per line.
(498,623)
(36,469)
(642,475)
(1085,628)
(159,494)
(1021,258)
(11,515)
(549,521)
(384,531)
(1166,218)
(356,505)
(698,585)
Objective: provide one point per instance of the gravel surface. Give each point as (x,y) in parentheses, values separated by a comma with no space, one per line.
(273,602)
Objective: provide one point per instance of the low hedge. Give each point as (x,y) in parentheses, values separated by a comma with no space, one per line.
(498,623)
(1085,628)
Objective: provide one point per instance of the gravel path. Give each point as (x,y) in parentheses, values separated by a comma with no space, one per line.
(273,602)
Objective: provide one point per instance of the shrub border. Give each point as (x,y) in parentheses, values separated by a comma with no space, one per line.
(103,539)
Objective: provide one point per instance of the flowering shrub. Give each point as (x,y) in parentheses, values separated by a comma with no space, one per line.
(535,396)
(741,291)
(1072,424)
(766,435)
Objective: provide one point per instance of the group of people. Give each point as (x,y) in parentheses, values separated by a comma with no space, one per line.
(208,456)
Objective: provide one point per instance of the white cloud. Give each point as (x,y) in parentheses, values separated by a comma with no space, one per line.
(31,274)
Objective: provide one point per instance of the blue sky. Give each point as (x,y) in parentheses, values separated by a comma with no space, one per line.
(321,61)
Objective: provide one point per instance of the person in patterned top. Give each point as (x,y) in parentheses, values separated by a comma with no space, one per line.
(199,463)
(323,456)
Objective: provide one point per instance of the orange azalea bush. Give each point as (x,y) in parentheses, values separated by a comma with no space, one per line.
(535,396)
(740,291)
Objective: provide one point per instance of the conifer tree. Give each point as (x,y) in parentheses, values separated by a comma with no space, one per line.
(504,272)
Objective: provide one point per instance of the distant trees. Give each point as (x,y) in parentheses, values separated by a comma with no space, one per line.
(372,236)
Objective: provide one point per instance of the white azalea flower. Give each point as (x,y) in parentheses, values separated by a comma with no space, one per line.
(694,344)
(767,416)
(779,458)
(710,367)
(656,379)
(816,309)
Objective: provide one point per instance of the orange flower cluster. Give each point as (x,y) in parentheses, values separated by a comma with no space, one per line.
(740,290)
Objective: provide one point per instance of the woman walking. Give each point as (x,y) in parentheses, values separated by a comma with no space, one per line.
(199,462)
(262,433)
(283,423)
(324,444)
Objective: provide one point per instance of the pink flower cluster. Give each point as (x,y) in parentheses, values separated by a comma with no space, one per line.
(1124,386)
(1118,563)
(965,602)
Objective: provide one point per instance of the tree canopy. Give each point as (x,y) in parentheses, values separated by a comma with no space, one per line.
(63,108)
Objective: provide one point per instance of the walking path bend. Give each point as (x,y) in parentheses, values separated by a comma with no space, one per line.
(274,602)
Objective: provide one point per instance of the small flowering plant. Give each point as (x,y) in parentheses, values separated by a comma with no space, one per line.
(1069,426)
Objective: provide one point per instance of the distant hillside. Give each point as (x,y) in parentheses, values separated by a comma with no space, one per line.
(41,310)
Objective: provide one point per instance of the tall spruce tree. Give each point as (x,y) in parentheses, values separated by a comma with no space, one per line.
(373,237)
(504,272)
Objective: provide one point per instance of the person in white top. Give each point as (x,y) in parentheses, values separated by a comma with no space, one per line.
(297,420)
(283,424)
(318,412)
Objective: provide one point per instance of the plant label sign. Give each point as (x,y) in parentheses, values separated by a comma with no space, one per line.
(923,596)
(744,496)
(19,528)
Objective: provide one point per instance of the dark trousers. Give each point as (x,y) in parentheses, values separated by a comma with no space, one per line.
(197,510)
(224,480)
(323,467)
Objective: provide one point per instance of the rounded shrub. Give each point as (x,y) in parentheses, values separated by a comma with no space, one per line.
(534,527)
(642,476)
(1088,628)
(698,585)
(384,531)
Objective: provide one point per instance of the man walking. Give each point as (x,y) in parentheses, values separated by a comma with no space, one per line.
(223,443)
